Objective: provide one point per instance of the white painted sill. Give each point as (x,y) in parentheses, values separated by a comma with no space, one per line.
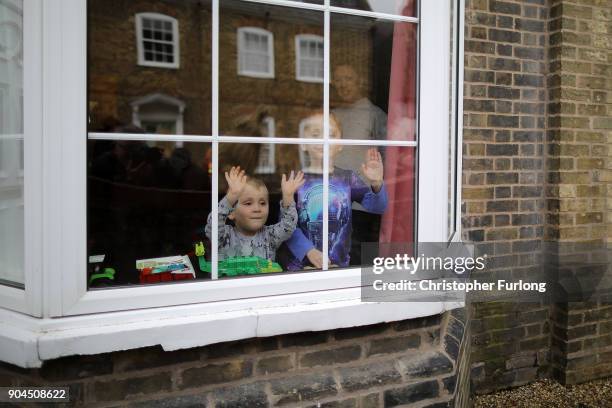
(27,341)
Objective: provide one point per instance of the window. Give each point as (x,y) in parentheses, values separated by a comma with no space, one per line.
(255,52)
(133,187)
(138,188)
(157,40)
(155,173)
(309,58)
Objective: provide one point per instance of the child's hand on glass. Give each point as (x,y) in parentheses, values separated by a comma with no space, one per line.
(315,257)
(289,185)
(373,169)
(236,182)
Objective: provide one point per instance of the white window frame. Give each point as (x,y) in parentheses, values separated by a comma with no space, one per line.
(298,57)
(89,322)
(240,33)
(140,40)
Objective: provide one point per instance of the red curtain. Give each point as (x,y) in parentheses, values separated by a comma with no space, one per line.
(398,221)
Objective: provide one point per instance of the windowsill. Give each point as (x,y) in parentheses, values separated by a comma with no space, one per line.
(152,64)
(312,80)
(255,74)
(26,341)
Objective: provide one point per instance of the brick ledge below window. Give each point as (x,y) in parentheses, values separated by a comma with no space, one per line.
(26,341)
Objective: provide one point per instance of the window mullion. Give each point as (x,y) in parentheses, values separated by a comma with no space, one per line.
(214,249)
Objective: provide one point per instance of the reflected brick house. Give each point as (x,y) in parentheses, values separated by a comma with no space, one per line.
(121,90)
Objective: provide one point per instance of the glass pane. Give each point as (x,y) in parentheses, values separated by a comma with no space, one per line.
(400,7)
(122,93)
(260,229)
(373,78)
(371,200)
(283,96)
(147,200)
(378,227)
(11,144)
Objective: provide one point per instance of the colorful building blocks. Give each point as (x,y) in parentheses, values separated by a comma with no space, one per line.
(237,266)
(245,265)
(165,269)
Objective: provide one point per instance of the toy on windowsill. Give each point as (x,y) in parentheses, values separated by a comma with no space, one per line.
(237,266)
(102,277)
(165,269)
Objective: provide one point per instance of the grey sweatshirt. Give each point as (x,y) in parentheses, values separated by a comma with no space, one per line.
(263,244)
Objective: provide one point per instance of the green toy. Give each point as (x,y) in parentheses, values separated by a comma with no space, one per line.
(101,277)
(199,249)
(237,266)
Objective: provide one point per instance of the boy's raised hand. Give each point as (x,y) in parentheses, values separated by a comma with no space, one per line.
(289,185)
(373,169)
(236,182)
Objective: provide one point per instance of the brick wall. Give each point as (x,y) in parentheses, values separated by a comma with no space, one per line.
(580,210)
(503,180)
(418,361)
(536,171)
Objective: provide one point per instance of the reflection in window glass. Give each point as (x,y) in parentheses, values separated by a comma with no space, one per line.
(122,92)
(255,52)
(373,78)
(147,200)
(309,58)
(157,40)
(276,92)
(267,153)
(400,7)
(11,142)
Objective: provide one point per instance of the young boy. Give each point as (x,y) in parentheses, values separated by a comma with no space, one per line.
(246,203)
(345,187)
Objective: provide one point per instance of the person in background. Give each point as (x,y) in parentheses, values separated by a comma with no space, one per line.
(361,120)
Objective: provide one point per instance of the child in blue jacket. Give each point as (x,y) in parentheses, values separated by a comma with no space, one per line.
(345,187)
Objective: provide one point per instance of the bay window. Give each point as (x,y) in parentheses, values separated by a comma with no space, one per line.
(134,214)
